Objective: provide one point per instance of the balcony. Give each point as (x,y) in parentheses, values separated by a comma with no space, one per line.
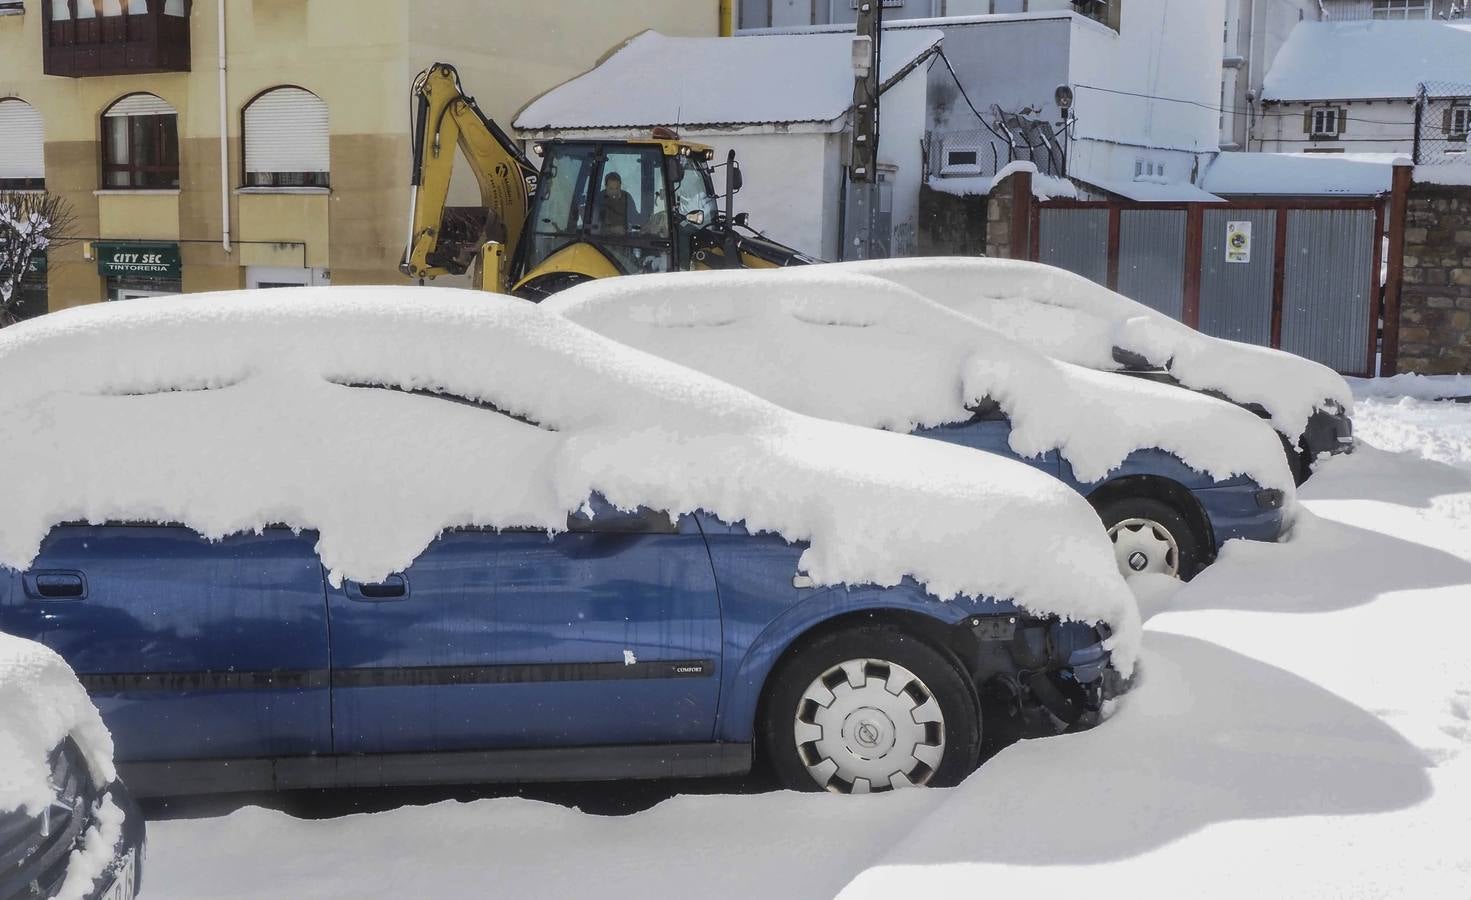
(115,37)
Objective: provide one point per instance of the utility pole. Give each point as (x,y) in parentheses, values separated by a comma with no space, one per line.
(863,155)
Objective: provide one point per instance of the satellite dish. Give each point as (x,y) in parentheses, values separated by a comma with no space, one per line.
(1064,97)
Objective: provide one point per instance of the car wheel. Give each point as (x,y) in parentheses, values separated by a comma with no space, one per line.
(871,709)
(1151,537)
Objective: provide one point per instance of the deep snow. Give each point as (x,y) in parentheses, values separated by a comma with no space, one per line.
(831,342)
(232,412)
(1302,728)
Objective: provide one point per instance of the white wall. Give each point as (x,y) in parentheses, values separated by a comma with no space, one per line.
(792,184)
(1378,127)
(905,121)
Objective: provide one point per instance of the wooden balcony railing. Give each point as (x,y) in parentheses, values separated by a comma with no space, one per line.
(115,37)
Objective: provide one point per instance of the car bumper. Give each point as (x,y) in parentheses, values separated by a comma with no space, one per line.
(1243,511)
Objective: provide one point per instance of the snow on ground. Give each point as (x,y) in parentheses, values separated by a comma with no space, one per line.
(1301,728)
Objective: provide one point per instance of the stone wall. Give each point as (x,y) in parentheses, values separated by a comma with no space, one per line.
(1435,306)
(967,224)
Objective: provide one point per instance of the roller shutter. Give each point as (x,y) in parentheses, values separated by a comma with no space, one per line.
(22,141)
(286,131)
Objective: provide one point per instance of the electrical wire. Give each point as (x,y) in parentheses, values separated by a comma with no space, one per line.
(1227,110)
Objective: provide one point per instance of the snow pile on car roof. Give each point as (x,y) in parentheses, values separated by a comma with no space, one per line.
(229,412)
(1068,317)
(41,704)
(845,346)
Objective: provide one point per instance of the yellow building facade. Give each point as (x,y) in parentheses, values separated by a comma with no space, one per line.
(153,209)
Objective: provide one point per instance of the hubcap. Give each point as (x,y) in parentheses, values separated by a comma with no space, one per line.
(869,725)
(1143,546)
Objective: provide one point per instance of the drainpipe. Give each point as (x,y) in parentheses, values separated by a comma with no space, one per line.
(224,138)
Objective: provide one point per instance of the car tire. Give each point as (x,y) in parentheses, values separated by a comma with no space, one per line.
(854,737)
(1152,536)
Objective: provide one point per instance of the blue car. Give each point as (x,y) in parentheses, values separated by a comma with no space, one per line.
(1174,476)
(452,595)
(1162,516)
(625,647)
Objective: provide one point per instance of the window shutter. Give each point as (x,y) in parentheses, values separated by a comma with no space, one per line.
(1449,124)
(1342,120)
(286,130)
(22,141)
(140,105)
(1307,122)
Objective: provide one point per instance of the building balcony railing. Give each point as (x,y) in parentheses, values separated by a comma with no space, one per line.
(115,37)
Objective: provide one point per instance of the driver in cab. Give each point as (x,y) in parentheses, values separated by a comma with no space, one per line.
(617,213)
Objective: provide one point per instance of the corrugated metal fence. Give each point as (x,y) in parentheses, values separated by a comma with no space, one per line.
(1299,275)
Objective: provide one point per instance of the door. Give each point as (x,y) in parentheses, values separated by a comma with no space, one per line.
(609,634)
(191,649)
(1237,265)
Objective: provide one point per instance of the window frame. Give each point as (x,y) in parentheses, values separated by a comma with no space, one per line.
(1400,10)
(280,180)
(1459,126)
(141,175)
(1326,114)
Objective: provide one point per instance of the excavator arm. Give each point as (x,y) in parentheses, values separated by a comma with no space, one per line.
(440,243)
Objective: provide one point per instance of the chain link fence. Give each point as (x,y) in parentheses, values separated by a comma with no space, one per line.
(1442,124)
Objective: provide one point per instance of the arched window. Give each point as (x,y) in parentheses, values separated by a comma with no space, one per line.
(22,147)
(140,143)
(287,143)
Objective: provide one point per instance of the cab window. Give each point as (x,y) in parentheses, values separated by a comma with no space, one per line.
(561,198)
(630,215)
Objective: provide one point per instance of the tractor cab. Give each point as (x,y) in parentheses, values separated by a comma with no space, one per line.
(614,208)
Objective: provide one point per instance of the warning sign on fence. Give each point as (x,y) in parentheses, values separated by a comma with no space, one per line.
(1238,242)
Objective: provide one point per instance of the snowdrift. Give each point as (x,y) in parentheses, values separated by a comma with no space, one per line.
(830,342)
(1068,317)
(230,412)
(41,704)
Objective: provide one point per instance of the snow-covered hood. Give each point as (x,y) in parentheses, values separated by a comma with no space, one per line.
(1070,318)
(862,350)
(41,704)
(230,412)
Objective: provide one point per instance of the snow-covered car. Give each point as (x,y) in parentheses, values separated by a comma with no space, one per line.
(69,830)
(1172,474)
(411,535)
(1070,318)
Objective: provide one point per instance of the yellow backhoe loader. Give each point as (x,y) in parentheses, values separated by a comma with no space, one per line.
(594,209)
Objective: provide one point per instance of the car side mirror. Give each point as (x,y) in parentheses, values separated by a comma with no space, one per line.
(742,219)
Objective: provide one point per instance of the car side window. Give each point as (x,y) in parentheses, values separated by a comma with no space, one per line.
(598,516)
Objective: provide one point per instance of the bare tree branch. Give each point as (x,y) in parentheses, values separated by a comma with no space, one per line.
(30,223)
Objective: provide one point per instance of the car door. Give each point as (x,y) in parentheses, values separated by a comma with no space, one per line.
(606,634)
(191,649)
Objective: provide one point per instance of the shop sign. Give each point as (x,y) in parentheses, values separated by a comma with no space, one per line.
(37,266)
(161,261)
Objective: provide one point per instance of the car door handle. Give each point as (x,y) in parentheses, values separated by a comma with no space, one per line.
(394,587)
(56,585)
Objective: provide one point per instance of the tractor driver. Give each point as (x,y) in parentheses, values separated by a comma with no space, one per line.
(617,212)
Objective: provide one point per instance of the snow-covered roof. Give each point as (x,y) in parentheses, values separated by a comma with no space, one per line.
(41,704)
(655,79)
(233,411)
(1301,174)
(1369,60)
(1070,318)
(829,342)
(1152,191)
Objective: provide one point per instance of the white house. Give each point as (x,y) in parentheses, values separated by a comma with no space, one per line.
(1144,75)
(1352,87)
(780,101)
(1256,31)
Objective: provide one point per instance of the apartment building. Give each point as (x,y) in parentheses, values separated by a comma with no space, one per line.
(220,144)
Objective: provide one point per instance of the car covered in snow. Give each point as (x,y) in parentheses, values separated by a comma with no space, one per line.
(367,536)
(1070,318)
(68,827)
(1173,475)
